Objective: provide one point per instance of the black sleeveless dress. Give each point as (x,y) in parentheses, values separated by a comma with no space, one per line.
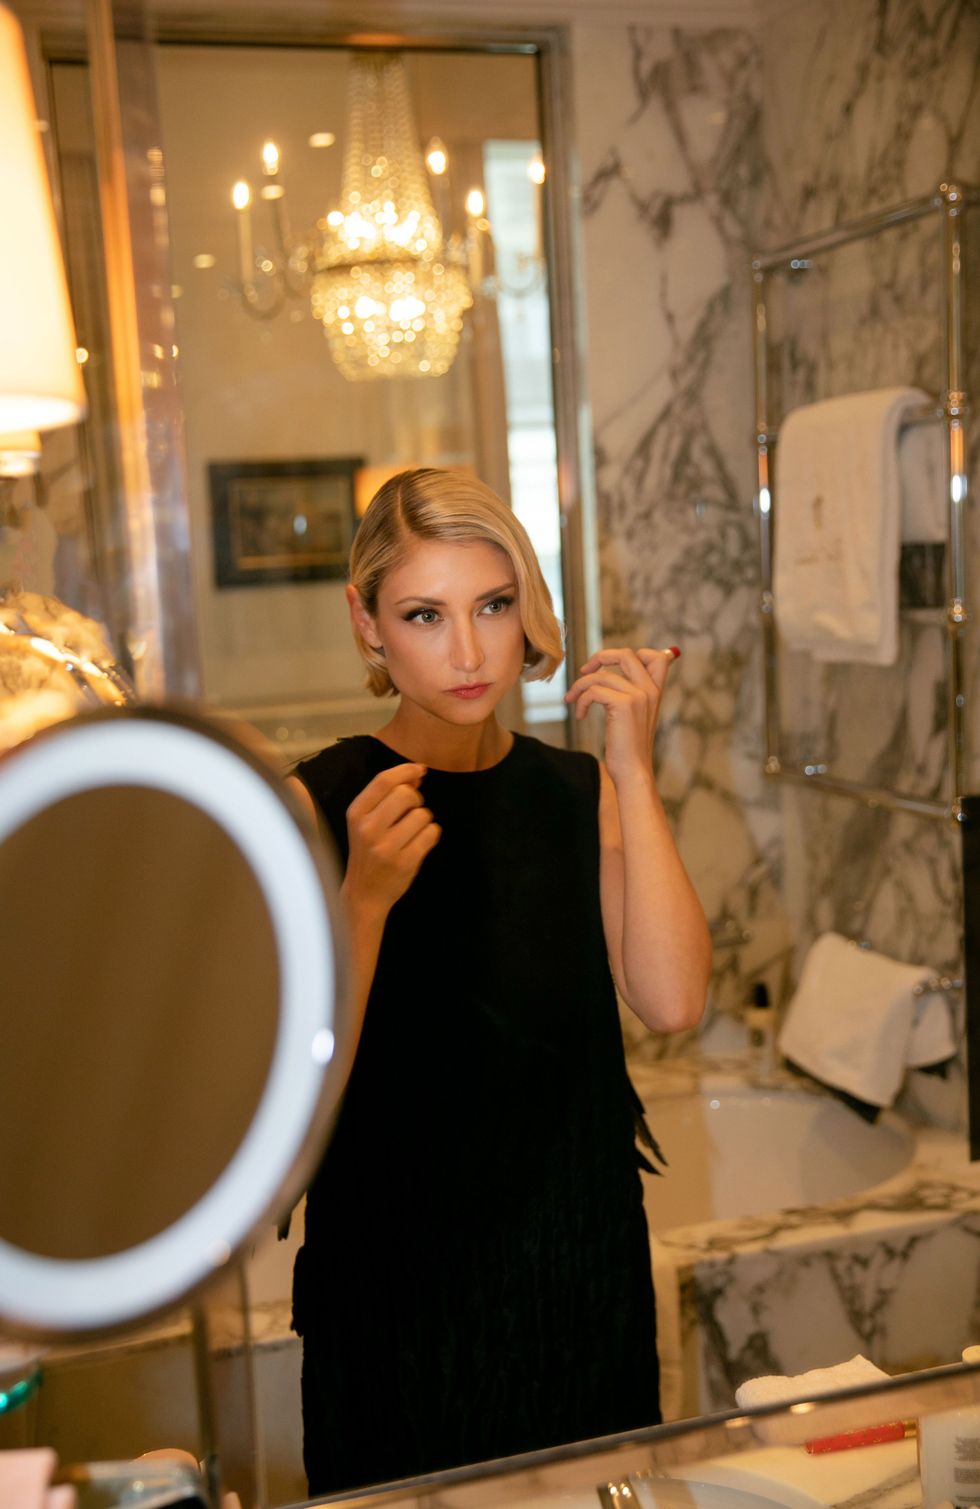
(475,1278)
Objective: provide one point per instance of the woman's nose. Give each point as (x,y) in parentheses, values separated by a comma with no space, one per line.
(467,652)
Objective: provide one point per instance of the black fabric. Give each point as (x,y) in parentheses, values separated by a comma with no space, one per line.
(475,1279)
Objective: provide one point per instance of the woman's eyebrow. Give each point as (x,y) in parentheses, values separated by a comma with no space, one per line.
(439,602)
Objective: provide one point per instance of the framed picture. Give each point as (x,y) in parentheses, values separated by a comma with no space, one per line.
(282,521)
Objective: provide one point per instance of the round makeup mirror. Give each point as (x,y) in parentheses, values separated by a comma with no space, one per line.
(175,1034)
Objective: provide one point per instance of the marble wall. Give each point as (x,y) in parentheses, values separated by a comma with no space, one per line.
(696,147)
(671,184)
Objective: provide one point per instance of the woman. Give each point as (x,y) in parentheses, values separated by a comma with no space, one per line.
(475,1279)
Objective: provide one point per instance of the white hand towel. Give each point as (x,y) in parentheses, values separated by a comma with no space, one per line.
(838,523)
(922,480)
(777,1389)
(932,1040)
(850,1021)
(793,1430)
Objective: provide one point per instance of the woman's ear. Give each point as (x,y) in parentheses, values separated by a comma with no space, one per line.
(360,617)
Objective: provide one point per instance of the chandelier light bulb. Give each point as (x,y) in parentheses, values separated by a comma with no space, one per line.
(475,203)
(321,139)
(536,170)
(436,157)
(270,159)
(241,195)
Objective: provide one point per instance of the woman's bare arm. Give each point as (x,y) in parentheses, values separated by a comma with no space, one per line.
(656,933)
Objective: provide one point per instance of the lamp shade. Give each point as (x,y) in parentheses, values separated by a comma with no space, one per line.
(40,384)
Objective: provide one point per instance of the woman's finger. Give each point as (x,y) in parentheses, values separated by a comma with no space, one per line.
(422,844)
(610,679)
(658,663)
(635,664)
(382,785)
(603,695)
(393,807)
(408,828)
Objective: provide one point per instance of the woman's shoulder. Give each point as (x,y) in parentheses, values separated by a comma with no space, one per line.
(571,766)
(347,763)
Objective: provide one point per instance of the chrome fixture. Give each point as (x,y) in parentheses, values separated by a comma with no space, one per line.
(949,201)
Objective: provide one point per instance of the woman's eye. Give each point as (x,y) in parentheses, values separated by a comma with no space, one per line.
(423,616)
(497,605)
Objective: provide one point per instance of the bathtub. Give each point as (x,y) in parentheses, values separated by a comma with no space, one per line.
(788,1233)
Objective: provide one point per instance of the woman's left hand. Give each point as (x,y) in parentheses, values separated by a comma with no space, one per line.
(628,685)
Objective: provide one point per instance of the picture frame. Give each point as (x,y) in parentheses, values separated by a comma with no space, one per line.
(282,521)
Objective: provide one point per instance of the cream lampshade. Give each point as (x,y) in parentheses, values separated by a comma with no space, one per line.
(40,384)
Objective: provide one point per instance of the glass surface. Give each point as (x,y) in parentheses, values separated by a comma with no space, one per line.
(158,965)
(866,1447)
(262,387)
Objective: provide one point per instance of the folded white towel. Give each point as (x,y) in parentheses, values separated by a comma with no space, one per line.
(777,1389)
(922,481)
(933,1040)
(793,1429)
(852,1020)
(839,521)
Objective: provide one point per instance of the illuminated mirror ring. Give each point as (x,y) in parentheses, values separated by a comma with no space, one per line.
(187,758)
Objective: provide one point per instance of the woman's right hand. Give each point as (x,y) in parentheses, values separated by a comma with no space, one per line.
(390,831)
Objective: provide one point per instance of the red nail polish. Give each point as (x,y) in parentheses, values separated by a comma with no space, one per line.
(675,652)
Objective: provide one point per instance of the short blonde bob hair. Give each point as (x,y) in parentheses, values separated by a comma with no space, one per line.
(432,504)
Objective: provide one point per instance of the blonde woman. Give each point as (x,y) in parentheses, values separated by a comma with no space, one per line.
(475,1278)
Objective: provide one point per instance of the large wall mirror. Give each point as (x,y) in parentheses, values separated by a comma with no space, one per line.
(279,435)
(215,561)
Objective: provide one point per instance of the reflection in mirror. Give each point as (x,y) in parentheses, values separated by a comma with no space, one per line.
(116,1025)
(265,403)
(183,1037)
(263,386)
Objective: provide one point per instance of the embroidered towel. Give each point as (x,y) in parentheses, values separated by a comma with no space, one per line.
(839,521)
(854,1023)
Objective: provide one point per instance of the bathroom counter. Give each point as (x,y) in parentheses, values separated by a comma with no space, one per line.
(886,1477)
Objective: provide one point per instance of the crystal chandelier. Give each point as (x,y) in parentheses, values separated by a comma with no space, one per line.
(388,285)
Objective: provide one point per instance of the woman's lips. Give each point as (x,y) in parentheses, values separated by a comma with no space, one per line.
(469,693)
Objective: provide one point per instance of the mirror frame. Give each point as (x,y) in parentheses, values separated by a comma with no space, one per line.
(203,764)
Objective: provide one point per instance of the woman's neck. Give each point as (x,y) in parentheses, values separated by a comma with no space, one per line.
(442,746)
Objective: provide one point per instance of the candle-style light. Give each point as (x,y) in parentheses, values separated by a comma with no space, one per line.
(476,204)
(241,198)
(537,173)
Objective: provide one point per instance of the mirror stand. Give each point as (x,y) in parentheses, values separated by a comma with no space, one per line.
(231,1442)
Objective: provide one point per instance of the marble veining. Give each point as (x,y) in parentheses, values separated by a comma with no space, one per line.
(750,1292)
(697,147)
(669,193)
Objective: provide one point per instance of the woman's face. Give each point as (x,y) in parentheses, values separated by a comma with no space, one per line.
(449,620)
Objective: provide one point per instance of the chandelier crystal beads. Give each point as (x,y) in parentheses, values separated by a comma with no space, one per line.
(389,287)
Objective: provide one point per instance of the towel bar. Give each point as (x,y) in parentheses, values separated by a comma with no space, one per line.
(937,985)
(949,202)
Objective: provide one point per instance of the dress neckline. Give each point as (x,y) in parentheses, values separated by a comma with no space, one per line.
(454,774)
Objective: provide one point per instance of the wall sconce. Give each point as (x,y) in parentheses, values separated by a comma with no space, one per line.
(40,384)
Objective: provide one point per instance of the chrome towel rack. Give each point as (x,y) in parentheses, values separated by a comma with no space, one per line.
(949,202)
